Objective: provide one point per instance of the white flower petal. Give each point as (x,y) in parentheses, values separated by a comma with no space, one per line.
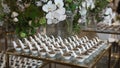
(83,11)
(62,17)
(45,8)
(59,3)
(49,21)
(50,15)
(56,15)
(92,6)
(61,11)
(55,21)
(49,7)
(83,4)
(88,4)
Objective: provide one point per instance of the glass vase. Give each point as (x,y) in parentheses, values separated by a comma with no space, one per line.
(63,28)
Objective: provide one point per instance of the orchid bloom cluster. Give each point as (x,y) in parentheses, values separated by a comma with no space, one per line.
(55,11)
(83,9)
(108,16)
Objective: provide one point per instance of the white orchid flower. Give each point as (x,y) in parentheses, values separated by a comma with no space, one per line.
(108,11)
(14,14)
(55,21)
(84,4)
(38,3)
(50,15)
(49,21)
(62,17)
(59,3)
(88,4)
(83,11)
(61,11)
(49,7)
(56,14)
(15,19)
(92,6)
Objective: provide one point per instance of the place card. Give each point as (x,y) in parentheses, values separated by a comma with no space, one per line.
(38,47)
(26,41)
(77,43)
(80,41)
(73,38)
(32,40)
(62,44)
(52,46)
(71,47)
(76,37)
(45,47)
(86,38)
(14,44)
(92,43)
(66,48)
(60,38)
(74,45)
(74,54)
(53,37)
(30,46)
(21,44)
(61,51)
(83,48)
(66,41)
(39,35)
(79,50)
(95,41)
(69,39)
(57,44)
(89,44)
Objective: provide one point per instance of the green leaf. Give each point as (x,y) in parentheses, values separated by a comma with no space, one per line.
(42,21)
(22,34)
(32,12)
(73,7)
(69,1)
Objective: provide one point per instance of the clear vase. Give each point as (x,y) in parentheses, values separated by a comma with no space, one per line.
(63,28)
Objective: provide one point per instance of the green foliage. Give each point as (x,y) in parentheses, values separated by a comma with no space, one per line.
(1,12)
(76,26)
(99,6)
(42,21)
(32,12)
(69,1)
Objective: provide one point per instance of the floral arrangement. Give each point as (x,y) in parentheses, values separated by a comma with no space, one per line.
(26,16)
(55,11)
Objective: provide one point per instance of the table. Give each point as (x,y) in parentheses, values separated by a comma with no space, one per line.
(57,61)
(95,30)
(100,31)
